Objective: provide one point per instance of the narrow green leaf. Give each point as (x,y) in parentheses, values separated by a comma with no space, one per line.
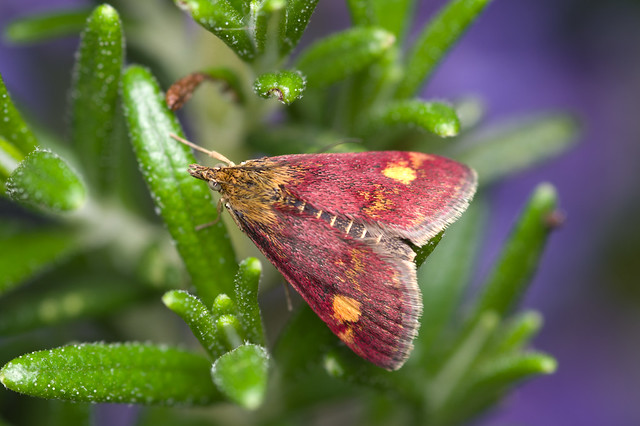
(518,331)
(267,17)
(94,91)
(229,331)
(241,375)
(198,318)
(130,373)
(422,253)
(340,55)
(508,369)
(46,26)
(520,254)
(286,86)
(183,202)
(434,42)
(246,287)
(87,297)
(445,276)
(434,117)
(509,149)
(242,6)
(25,254)
(392,15)
(369,90)
(45,181)
(296,18)
(360,11)
(488,383)
(12,126)
(222,19)
(493,377)
(451,376)
(10,156)
(223,305)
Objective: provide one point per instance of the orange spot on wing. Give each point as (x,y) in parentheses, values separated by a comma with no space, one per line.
(346,335)
(400,173)
(346,309)
(379,200)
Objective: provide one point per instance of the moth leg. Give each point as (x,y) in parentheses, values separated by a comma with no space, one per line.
(217,219)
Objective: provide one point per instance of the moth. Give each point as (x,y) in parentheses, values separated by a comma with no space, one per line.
(341,229)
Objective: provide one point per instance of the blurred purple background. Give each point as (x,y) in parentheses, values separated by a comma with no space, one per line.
(520,57)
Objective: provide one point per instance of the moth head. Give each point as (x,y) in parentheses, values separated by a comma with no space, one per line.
(207,174)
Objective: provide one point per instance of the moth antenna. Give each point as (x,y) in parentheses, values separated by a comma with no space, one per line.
(212,154)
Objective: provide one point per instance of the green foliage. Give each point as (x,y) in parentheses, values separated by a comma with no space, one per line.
(94,92)
(132,373)
(100,250)
(241,375)
(286,86)
(45,181)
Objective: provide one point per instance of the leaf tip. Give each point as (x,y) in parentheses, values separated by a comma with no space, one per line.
(546,195)
(548,365)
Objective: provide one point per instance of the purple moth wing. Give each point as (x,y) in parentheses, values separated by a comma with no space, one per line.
(411,194)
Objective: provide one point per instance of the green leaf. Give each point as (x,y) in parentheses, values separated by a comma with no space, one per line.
(520,254)
(489,381)
(241,375)
(459,363)
(229,331)
(198,318)
(267,16)
(12,126)
(223,305)
(242,6)
(422,253)
(340,55)
(518,331)
(509,149)
(246,292)
(434,42)
(94,91)
(86,297)
(46,26)
(10,156)
(445,276)
(29,253)
(505,370)
(496,375)
(286,86)
(46,182)
(296,17)
(392,15)
(222,19)
(183,202)
(434,117)
(130,373)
